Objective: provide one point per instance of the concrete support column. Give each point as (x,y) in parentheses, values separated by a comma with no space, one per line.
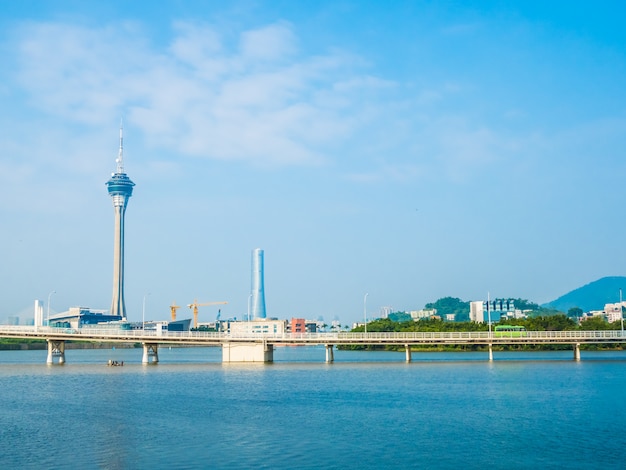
(248,352)
(577,352)
(56,348)
(330,357)
(490,352)
(150,353)
(407,348)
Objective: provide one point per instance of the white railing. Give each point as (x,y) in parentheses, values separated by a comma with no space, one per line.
(116,334)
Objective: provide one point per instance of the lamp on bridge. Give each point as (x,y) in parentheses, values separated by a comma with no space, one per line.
(48,313)
(365,311)
(621,310)
(143,312)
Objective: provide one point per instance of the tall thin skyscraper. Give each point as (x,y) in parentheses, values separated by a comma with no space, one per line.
(38,313)
(120,189)
(258,289)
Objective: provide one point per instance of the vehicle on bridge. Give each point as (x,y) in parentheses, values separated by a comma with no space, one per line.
(509,331)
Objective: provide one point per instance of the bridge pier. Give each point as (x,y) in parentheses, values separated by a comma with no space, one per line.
(150,353)
(248,352)
(56,348)
(577,352)
(330,356)
(407,349)
(490,352)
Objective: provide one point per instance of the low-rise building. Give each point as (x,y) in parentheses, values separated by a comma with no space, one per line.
(614,311)
(258,326)
(417,315)
(77,317)
(492,310)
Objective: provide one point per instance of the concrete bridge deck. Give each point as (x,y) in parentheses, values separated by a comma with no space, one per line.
(335,338)
(258,347)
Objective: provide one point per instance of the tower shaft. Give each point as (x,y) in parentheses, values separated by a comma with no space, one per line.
(258,287)
(118,306)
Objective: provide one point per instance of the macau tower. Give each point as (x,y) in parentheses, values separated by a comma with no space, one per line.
(120,189)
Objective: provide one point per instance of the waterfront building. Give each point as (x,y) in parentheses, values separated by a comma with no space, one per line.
(298,325)
(77,317)
(258,285)
(260,326)
(594,313)
(120,188)
(417,315)
(385,312)
(483,311)
(476,311)
(614,311)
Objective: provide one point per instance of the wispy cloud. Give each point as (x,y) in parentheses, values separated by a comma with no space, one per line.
(257,99)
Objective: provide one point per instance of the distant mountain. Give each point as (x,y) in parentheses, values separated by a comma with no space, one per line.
(592,296)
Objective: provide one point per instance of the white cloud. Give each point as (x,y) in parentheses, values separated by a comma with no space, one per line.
(255,100)
(195,43)
(271,43)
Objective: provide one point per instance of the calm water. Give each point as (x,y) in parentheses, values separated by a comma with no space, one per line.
(367,410)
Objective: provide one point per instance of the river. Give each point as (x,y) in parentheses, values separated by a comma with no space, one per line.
(367,410)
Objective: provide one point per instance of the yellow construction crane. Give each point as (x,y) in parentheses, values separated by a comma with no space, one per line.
(195,306)
(173,309)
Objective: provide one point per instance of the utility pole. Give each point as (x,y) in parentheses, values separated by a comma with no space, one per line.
(365,311)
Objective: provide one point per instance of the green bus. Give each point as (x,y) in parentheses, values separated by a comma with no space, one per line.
(509,331)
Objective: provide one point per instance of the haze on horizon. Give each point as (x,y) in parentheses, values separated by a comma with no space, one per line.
(408,151)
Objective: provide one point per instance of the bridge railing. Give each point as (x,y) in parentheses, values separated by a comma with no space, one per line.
(319,337)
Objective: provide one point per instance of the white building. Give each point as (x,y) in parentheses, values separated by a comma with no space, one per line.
(258,326)
(38,313)
(424,313)
(385,311)
(493,310)
(613,312)
(477,311)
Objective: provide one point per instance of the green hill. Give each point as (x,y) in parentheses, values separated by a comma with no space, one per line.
(592,296)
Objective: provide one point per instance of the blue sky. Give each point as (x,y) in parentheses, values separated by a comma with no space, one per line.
(407,150)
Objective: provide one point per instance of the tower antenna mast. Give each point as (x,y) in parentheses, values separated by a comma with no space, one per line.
(120,155)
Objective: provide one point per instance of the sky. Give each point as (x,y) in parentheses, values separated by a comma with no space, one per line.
(380,153)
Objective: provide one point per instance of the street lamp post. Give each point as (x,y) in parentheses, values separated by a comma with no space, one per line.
(489,313)
(621,310)
(365,311)
(48,314)
(249,300)
(143,312)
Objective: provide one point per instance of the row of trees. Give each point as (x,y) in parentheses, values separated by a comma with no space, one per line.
(460,309)
(560,322)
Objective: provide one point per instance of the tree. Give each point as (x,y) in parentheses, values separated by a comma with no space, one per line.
(558,322)
(449,305)
(596,323)
(524,304)
(575,312)
(399,316)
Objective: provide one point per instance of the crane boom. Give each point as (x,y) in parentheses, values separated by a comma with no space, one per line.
(173,309)
(195,306)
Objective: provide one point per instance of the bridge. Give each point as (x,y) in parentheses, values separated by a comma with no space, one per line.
(251,347)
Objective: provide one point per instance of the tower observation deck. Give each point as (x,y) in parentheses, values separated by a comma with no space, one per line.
(120,189)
